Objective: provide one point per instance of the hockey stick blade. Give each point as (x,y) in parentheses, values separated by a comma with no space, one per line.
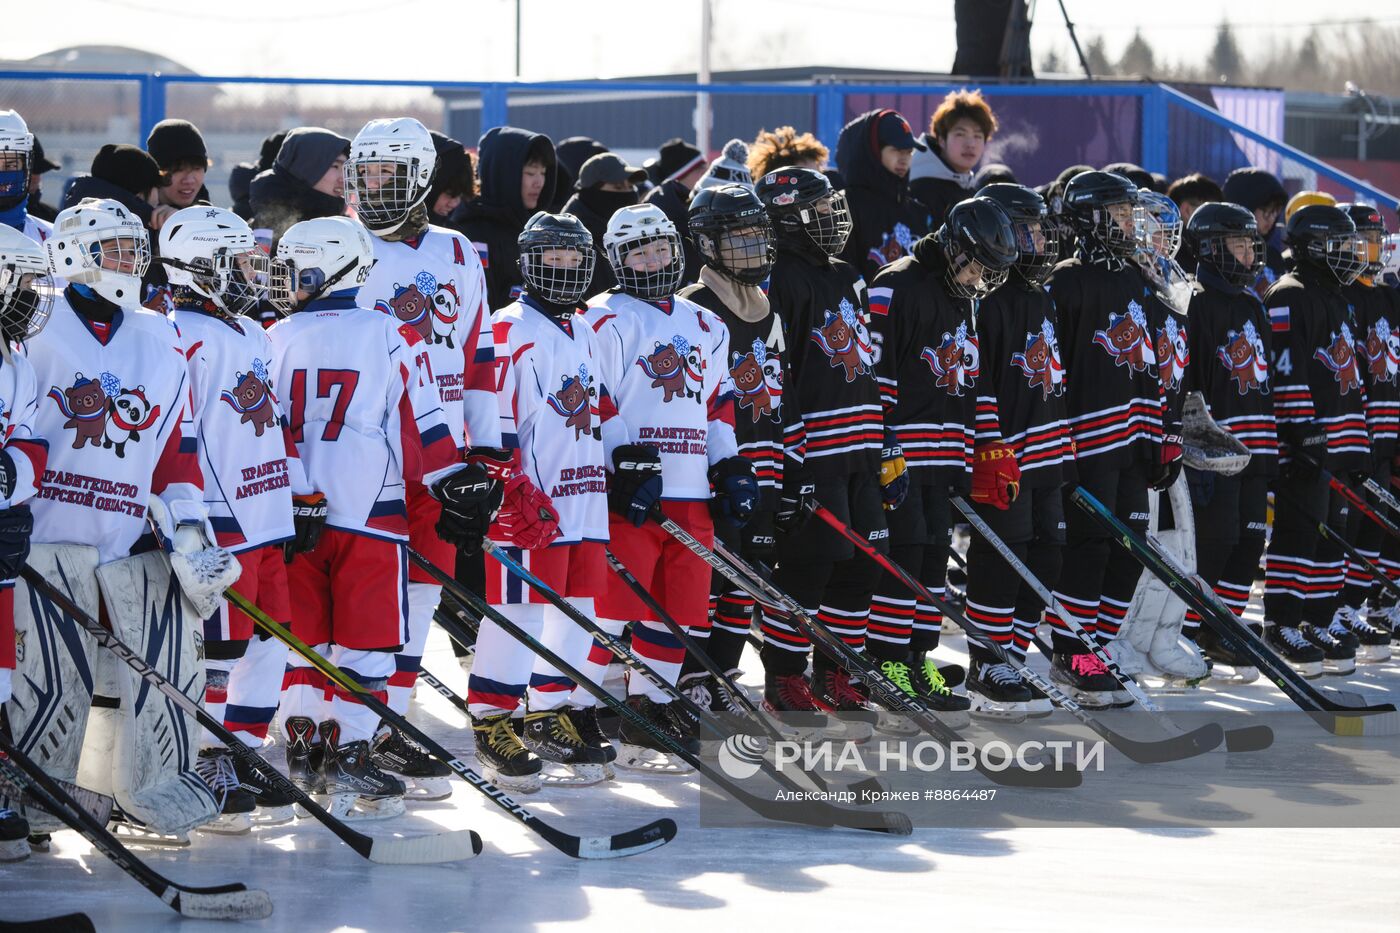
(230,905)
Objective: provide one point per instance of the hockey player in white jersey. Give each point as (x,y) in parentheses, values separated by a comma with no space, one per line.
(555,413)
(430,279)
(25,299)
(665,360)
(218,275)
(366,420)
(16,166)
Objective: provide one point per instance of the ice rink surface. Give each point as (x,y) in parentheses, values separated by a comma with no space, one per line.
(778,878)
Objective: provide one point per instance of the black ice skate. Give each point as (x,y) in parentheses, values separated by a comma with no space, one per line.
(357,789)
(303,754)
(553,737)
(423,776)
(1338,655)
(1084,678)
(935,684)
(642,747)
(996,691)
(236,805)
(1301,654)
(1373,642)
(504,759)
(585,720)
(14,836)
(274,807)
(1227,666)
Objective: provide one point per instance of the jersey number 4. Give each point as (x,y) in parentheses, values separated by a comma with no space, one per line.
(336,384)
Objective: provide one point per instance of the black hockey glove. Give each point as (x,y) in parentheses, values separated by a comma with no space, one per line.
(309,517)
(736,490)
(635,485)
(7,474)
(1306,449)
(470,499)
(799,489)
(758,545)
(16,524)
(1168,464)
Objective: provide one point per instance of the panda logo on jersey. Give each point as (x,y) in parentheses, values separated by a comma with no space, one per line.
(1172,354)
(574,402)
(103,413)
(252,398)
(1382,349)
(1340,357)
(758,382)
(445,303)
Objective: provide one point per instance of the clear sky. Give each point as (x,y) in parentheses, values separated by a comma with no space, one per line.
(474,39)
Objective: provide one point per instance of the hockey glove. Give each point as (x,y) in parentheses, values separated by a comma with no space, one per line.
(758,544)
(996,476)
(635,485)
(1306,447)
(498,463)
(736,490)
(1201,484)
(470,500)
(894,481)
(527,518)
(203,568)
(799,489)
(7,474)
(16,525)
(1169,466)
(309,517)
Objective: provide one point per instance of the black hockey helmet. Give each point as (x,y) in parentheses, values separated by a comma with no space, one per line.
(1371,225)
(1209,230)
(730,227)
(977,232)
(1324,237)
(1037,233)
(546,263)
(805,209)
(1089,202)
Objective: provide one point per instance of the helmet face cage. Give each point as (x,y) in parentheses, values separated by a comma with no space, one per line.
(827,221)
(656,275)
(560,273)
(1102,225)
(1038,242)
(1215,251)
(1342,253)
(239,279)
(115,254)
(1159,224)
(742,249)
(281,286)
(26,299)
(383,189)
(1378,247)
(983,280)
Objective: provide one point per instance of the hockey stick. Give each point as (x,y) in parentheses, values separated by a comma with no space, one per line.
(447,692)
(386,850)
(1187,745)
(220,902)
(1347,548)
(738,572)
(1249,738)
(1382,494)
(642,839)
(1355,498)
(896,823)
(1378,719)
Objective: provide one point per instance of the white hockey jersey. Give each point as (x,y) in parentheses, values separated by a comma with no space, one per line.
(19,412)
(362,410)
(555,413)
(435,284)
(666,364)
(116,417)
(36,229)
(243,445)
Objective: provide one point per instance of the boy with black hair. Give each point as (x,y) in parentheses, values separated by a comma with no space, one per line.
(874,153)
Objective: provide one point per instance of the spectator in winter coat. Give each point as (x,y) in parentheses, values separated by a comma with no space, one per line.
(731,168)
(606,184)
(1189,193)
(679,167)
(874,153)
(517,174)
(570,155)
(957,138)
(39,164)
(179,150)
(454,180)
(306,180)
(240,177)
(1262,193)
(783,147)
(129,176)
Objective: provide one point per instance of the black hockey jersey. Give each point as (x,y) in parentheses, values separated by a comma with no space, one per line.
(1376,311)
(1020,399)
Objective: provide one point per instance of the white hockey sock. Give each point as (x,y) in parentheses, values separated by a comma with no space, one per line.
(422,602)
(595,666)
(550,689)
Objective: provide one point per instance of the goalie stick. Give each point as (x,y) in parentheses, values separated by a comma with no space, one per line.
(746,578)
(809,813)
(220,902)
(386,850)
(1249,738)
(1339,718)
(632,842)
(1187,745)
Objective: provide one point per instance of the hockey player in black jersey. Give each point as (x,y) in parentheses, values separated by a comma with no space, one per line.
(1319,402)
(821,302)
(1115,402)
(1231,348)
(732,233)
(1023,438)
(1376,333)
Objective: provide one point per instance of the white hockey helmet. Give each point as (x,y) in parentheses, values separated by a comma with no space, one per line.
(16,158)
(643,233)
(318,257)
(213,252)
(26,288)
(389,172)
(102,245)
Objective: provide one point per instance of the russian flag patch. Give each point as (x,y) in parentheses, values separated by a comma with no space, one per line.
(483,252)
(880,300)
(1278,320)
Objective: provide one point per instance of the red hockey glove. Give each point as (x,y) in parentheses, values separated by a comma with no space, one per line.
(996,476)
(527,518)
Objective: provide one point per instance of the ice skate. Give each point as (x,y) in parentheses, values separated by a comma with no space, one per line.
(895,722)
(554,738)
(236,805)
(357,788)
(585,720)
(1373,642)
(995,691)
(423,776)
(1226,666)
(505,761)
(1084,678)
(791,708)
(835,692)
(641,750)
(1300,652)
(1338,654)
(14,836)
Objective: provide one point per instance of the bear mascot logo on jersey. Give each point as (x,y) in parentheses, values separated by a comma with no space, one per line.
(445,304)
(758,382)
(1172,354)
(846,342)
(104,414)
(893,245)
(1040,361)
(1340,358)
(574,402)
(412,304)
(955,361)
(1125,339)
(252,398)
(1382,349)
(85,407)
(1243,357)
(670,367)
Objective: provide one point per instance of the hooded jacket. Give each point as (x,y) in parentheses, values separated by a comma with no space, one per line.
(1253,189)
(886,219)
(285,194)
(493,220)
(935,184)
(570,155)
